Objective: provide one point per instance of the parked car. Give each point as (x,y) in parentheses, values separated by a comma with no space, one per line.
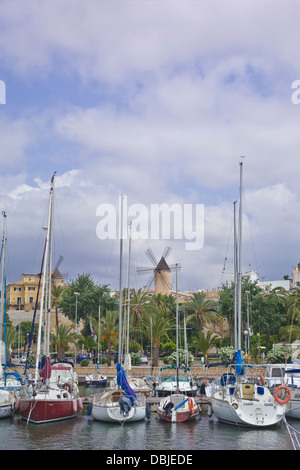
(144,359)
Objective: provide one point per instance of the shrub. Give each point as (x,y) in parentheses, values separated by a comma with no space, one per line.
(136,359)
(181,358)
(84,362)
(226,353)
(279,355)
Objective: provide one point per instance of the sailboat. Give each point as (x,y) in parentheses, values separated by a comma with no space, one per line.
(234,399)
(44,400)
(177,407)
(7,398)
(121,403)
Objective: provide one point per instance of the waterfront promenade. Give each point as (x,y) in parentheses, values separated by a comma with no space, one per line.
(198,372)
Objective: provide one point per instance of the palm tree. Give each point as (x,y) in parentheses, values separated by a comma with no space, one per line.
(109,330)
(155,324)
(64,336)
(56,293)
(138,303)
(204,342)
(293,306)
(203,310)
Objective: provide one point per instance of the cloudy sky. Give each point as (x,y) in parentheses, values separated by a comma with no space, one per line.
(157,100)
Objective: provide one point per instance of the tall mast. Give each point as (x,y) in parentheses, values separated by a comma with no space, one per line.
(177,359)
(240,262)
(3,292)
(128,296)
(235,277)
(3,274)
(44,274)
(120,278)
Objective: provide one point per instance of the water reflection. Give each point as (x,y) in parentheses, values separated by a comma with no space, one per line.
(84,433)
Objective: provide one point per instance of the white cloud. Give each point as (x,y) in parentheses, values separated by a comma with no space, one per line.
(176,92)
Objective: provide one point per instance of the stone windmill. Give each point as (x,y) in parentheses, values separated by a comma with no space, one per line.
(160,272)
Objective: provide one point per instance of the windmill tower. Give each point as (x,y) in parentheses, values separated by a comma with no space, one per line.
(160,272)
(57,277)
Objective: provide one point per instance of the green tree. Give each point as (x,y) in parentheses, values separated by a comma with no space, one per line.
(204,310)
(89,299)
(64,335)
(205,342)
(156,324)
(138,303)
(109,330)
(271,314)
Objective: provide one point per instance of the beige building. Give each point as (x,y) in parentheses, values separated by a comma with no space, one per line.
(21,295)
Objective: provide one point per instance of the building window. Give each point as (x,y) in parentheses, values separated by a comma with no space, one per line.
(30,300)
(31,288)
(17,289)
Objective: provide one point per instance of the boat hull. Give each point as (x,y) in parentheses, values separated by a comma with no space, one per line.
(96,383)
(114,413)
(6,411)
(177,408)
(177,417)
(44,411)
(247,413)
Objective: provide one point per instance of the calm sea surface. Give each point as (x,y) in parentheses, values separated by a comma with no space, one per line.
(84,433)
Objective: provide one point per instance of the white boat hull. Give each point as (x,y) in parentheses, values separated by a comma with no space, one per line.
(245,412)
(7,404)
(114,414)
(106,407)
(5,411)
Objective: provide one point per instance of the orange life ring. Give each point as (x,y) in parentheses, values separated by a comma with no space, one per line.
(285,400)
(262,380)
(191,405)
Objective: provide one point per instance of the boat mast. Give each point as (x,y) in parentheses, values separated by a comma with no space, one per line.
(3,298)
(177,358)
(44,273)
(235,277)
(50,270)
(240,263)
(128,298)
(3,277)
(120,278)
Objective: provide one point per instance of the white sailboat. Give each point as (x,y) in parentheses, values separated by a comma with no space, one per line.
(45,400)
(120,404)
(235,400)
(177,407)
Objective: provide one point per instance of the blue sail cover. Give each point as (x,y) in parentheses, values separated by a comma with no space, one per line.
(122,381)
(239,366)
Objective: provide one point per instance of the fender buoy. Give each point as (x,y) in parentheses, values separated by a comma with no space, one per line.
(288,395)
(80,404)
(74,406)
(262,380)
(191,405)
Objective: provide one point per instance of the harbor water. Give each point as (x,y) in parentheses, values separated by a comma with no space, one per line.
(84,433)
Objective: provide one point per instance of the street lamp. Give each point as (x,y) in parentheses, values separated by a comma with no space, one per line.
(76,294)
(246,334)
